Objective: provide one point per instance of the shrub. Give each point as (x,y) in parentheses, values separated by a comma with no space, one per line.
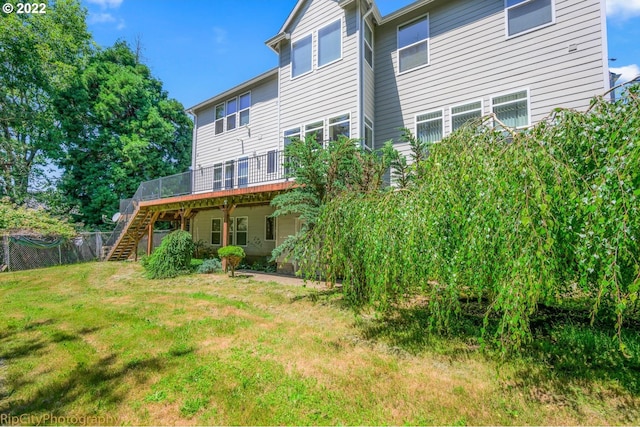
(172,257)
(196,263)
(210,266)
(233,256)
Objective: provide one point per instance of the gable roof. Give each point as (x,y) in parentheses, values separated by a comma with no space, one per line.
(242,86)
(283,34)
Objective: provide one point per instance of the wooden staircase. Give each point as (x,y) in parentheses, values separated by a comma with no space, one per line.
(131,234)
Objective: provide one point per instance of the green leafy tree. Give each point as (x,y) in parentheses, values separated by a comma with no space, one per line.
(19,219)
(320,175)
(120,129)
(39,56)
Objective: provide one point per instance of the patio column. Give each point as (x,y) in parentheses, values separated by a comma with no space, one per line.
(226,213)
(154,217)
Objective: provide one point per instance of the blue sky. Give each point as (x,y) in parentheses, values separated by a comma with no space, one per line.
(199,48)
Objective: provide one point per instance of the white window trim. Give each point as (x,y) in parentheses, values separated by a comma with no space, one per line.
(317,45)
(275,228)
(275,169)
(237,170)
(511,92)
(441,110)
(366,44)
(333,116)
(234,233)
(506,19)
(482,113)
(373,138)
(213,181)
(244,109)
(219,232)
(291,56)
(224,117)
(428,40)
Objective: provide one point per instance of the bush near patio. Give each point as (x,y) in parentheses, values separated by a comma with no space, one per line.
(172,257)
(233,255)
(515,220)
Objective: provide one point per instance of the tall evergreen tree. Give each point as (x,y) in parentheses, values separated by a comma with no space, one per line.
(120,129)
(39,54)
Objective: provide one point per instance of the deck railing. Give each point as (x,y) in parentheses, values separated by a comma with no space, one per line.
(239,173)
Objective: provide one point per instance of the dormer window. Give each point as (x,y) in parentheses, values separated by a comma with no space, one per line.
(413,44)
(329,43)
(301,56)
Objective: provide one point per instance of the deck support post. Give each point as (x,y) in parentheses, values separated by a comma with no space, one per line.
(226,213)
(154,217)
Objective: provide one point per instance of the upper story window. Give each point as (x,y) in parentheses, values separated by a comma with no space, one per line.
(290,135)
(430,126)
(330,43)
(512,109)
(413,44)
(244,104)
(527,15)
(461,114)
(368,44)
(219,124)
(232,107)
(301,56)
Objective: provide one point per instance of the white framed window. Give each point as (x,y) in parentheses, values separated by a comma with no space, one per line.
(368,134)
(316,129)
(301,56)
(216,231)
(368,44)
(290,135)
(523,16)
(413,44)
(339,125)
(430,126)
(232,108)
(330,43)
(244,105)
(269,228)
(461,114)
(217,176)
(229,172)
(512,109)
(243,172)
(219,123)
(272,161)
(238,230)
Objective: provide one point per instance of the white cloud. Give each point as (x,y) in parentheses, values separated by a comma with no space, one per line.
(106,4)
(101,18)
(121,25)
(623,8)
(220,35)
(628,72)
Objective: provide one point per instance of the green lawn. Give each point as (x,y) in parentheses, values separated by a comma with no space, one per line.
(100,344)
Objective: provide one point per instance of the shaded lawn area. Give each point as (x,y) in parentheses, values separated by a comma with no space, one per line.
(100,340)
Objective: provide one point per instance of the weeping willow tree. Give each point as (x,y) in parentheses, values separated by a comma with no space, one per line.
(514,219)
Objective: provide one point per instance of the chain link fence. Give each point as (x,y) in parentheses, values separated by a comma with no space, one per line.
(25,252)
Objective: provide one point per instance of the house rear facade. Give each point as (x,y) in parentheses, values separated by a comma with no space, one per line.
(344,69)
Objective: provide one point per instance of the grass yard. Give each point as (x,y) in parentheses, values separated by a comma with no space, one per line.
(99,340)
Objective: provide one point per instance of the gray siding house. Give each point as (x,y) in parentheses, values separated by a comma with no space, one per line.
(344,69)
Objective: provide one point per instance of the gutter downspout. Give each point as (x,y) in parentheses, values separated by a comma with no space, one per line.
(361,73)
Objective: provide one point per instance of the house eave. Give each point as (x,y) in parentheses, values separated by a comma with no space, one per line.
(238,88)
(400,12)
(274,41)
